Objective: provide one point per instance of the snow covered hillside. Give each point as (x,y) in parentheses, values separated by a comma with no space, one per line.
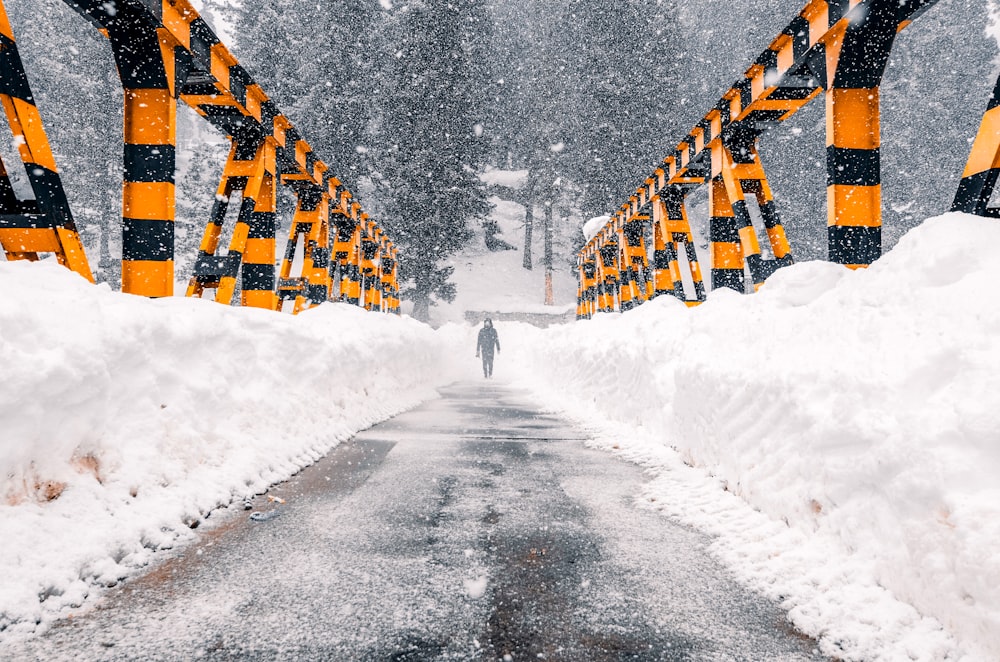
(857,411)
(497,282)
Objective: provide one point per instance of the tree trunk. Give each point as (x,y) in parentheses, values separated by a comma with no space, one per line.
(529,221)
(421,307)
(547,253)
(421,298)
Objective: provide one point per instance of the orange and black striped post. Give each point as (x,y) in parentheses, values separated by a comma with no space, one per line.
(210,269)
(45,224)
(371,281)
(307,229)
(671,222)
(647,271)
(724,235)
(250,167)
(983,167)
(347,253)
(588,288)
(310,224)
(633,241)
(385,268)
(290,287)
(610,288)
(855,61)
(664,260)
(316,269)
(626,292)
(749,244)
(748,171)
(392,304)
(146,65)
(601,292)
(259,214)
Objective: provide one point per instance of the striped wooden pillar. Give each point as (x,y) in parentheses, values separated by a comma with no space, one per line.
(349,246)
(983,167)
(724,235)
(210,269)
(259,215)
(626,277)
(750,172)
(394,282)
(678,230)
(385,267)
(855,62)
(854,190)
(664,254)
(146,64)
(317,271)
(371,280)
(671,229)
(588,274)
(634,252)
(608,284)
(749,244)
(45,224)
(309,228)
(251,247)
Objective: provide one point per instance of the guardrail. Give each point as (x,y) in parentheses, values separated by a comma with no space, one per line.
(165,51)
(834,48)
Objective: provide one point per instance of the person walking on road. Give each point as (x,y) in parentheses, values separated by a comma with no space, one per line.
(488,340)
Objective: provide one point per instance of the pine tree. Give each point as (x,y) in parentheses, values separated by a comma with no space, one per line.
(626,71)
(590,98)
(430,148)
(315,60)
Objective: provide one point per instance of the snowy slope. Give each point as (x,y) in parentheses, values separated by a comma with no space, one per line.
(497,281)
(126,421)
(858,412)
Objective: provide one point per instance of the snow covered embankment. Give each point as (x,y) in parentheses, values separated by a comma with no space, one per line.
(124,421)
(862,408)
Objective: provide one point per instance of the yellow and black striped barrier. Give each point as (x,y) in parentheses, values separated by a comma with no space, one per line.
(165,51)
(835,48)
(45,224)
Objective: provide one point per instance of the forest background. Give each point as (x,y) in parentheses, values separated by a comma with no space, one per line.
(411,102)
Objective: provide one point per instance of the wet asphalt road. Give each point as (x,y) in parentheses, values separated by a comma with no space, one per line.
(472,528)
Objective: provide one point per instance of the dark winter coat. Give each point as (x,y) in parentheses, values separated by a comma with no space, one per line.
(487,341)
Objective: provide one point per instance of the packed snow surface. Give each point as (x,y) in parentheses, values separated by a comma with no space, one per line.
(857,411)
(126,421)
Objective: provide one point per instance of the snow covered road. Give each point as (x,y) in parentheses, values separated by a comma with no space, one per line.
(473,527)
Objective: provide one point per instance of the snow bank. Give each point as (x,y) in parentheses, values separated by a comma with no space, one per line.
(860,408)
(514,179)
(593,226)
(125,421)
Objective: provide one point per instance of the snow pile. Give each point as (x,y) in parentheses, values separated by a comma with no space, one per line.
(514,179)
(861,408)
(594,225)
(126,421)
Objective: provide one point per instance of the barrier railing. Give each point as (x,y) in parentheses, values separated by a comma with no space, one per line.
(165,51)
(835,48)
